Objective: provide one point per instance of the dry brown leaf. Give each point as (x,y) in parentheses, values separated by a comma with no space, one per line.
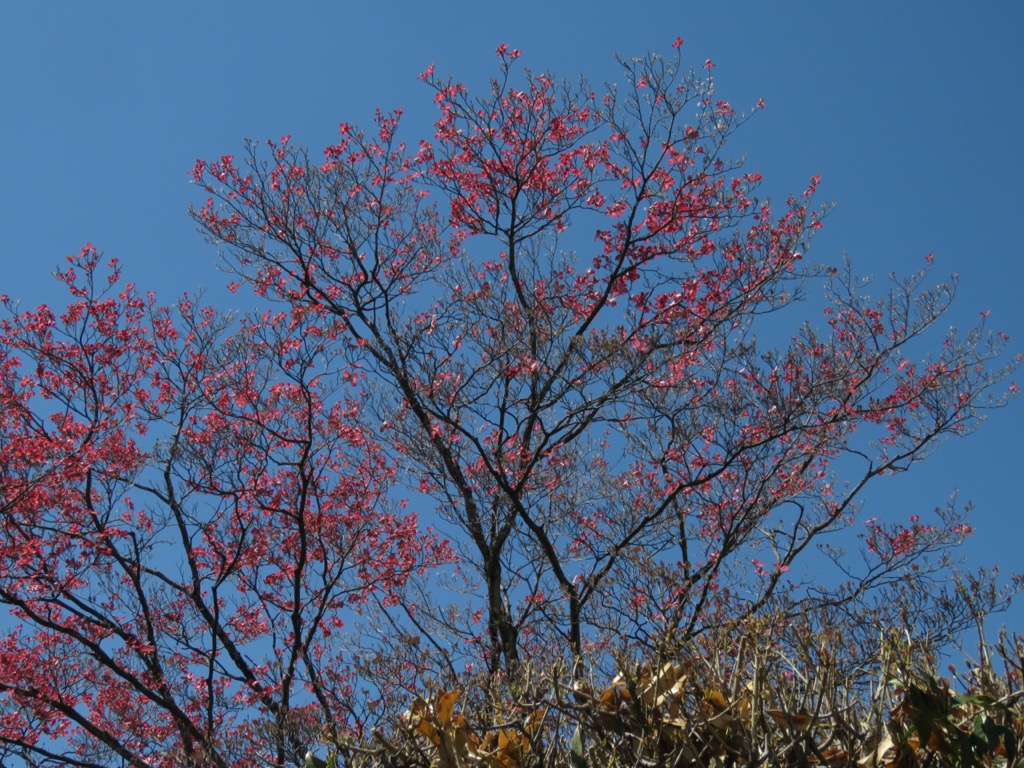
(427,728)
(716,705)
(883,755)
(716,700)
(791,722)
(535,721)
(613,696)
(836,758)
(444,706)
(466,740)
(668,678)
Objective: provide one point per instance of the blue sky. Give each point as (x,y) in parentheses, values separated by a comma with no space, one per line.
(911,112)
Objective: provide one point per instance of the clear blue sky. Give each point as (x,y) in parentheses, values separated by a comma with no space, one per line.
(911,112)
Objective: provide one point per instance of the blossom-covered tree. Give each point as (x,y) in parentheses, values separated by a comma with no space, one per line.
(541,324)
(189,508)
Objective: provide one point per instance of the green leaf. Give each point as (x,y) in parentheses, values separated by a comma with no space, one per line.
(576,750)
(987,734)
(986,702)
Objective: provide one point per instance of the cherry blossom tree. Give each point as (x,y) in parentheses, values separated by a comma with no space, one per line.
(538,327)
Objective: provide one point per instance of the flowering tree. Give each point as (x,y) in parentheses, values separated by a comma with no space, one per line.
(189,507)
(192,509)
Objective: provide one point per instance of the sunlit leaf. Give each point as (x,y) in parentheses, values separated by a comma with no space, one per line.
(576,756)
(444,706)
